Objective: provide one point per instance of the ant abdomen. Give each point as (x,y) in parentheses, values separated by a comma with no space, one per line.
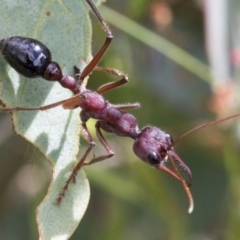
(32,59)
(27,56)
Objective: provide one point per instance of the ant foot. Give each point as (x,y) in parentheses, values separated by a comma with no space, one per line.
(73,178)
(60,197)
(65,188)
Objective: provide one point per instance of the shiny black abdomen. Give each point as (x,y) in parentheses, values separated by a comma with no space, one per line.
(27,56)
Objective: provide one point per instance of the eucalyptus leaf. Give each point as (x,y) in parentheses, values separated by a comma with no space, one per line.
(64,26)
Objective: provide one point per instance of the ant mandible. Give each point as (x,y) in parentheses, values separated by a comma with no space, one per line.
(31,58)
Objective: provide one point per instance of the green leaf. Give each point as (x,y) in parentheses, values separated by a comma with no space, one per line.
(64,26)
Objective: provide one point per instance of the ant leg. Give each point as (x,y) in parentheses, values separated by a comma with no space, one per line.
(109,86)
(69,103)
(127,106)
(72,178)
(104,144)
(88,137)
(77,71)
(93,63)
(111,71)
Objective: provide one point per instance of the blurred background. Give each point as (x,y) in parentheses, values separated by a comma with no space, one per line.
(167,48)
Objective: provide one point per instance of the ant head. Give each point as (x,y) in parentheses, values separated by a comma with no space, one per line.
(152,146)
(155,147)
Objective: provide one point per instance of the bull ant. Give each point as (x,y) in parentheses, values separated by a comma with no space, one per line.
(31,58)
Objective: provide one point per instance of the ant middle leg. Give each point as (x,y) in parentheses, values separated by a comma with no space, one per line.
(127,106)
(109,86)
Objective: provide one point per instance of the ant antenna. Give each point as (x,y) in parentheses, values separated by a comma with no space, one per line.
(203,125)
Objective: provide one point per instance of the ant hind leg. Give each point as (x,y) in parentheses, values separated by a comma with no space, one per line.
(93,63)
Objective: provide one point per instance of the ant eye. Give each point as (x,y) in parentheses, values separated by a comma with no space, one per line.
(169,138)
(153,159)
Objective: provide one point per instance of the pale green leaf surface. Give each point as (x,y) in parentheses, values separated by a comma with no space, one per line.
(64,26)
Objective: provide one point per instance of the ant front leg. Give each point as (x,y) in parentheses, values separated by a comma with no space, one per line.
(104,144)
(81,162)
(87,135)
(72,178)
(73,175)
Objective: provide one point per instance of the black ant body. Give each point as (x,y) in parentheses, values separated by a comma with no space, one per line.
(32,59)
